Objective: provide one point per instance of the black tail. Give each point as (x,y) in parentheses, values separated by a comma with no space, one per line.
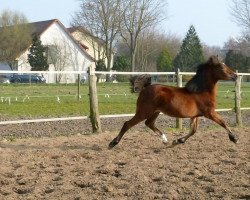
(139,82)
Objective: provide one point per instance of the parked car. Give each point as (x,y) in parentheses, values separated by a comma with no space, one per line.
(5,78)
(27,78)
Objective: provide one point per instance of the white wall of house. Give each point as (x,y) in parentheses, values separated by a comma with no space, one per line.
(73,57)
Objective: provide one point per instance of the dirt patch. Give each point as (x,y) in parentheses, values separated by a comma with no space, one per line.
(207,166)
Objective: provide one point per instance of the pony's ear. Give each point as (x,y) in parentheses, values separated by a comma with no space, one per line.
(214,60)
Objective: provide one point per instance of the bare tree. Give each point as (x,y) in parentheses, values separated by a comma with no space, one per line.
(58,56)
(137,16)
(146,50)
(15,36)
(208,51)
(101,18)
(150,44)
(240,10)
(240,45)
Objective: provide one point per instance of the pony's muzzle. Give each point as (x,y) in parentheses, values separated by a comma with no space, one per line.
(234,77)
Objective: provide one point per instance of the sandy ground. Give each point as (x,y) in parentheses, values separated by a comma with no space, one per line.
(37,162)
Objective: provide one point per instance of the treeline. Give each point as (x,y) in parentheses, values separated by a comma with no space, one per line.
(168,53)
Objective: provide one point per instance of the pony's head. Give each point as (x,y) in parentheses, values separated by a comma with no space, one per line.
(219,70)
(139,82)
(208,74)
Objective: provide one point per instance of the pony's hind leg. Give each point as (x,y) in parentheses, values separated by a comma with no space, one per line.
(193,128)
(217,118)
(150,122)
(126,126)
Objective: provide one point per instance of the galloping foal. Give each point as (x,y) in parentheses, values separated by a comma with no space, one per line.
(197,98)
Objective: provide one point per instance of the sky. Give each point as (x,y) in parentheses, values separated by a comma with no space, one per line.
(211,18)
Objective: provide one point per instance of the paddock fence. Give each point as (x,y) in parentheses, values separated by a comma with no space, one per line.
(94,96)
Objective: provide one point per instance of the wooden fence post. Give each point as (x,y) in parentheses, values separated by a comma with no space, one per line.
(94,112)
(78,86)
(179,84)
(237,101)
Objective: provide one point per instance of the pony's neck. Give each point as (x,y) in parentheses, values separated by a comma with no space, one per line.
(210,85)
(213,90)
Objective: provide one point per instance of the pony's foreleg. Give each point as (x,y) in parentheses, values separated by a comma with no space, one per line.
(126,126)
(150,122)
(217,118)
(193,128)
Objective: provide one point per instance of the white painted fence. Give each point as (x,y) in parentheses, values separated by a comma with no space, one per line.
(96,73)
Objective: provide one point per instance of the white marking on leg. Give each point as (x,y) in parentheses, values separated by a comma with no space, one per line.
(164,138)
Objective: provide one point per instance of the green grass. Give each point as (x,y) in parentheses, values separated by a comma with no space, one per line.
(113,99)
(226,95)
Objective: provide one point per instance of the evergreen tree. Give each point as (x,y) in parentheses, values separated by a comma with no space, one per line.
(36,58)
(121,63)
(164,61)
(190,54)
(100,66)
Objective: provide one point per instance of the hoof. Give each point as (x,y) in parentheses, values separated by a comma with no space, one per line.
(164,142)
(178,141)
(181,141)
(175,142)
(113,143)
(233,138)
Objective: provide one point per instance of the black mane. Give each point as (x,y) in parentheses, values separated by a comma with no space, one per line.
(202,80)
(197,82)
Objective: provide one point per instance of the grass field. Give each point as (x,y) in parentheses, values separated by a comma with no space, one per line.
(28,101)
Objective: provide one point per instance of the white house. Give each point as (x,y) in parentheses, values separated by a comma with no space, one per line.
(64,52)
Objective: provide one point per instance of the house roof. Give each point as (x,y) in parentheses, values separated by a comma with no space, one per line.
(41,26)
(87,32)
